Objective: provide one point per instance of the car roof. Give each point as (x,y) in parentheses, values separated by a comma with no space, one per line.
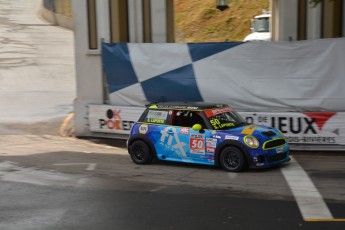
(186,105)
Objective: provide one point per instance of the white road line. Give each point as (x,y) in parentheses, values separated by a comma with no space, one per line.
(158,188)
(309,200)
(90,166)
(82,181)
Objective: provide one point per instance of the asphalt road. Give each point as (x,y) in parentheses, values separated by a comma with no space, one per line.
(50,182)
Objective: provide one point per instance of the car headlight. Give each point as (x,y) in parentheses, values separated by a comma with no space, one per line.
(251,141)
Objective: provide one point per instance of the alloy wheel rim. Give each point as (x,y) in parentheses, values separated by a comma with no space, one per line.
(231,159)
(138,153)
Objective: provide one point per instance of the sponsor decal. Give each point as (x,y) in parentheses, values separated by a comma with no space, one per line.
(154,120)
(114,121)
(218,125)
(184,131)
(217,136)
(229,137)
(249,130)
(280,150)
(213,112)
(211,142)
(143,129)
(157,117)
(176,107)
(160,115)
(170,140)
(210,150)
(197,143)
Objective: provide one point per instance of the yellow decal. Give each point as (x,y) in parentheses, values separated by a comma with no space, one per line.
(153,120)
(215,123)
(249,130)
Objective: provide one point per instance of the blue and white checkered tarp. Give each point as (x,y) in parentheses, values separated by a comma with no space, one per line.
(271,76)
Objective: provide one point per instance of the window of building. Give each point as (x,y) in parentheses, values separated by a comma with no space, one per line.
(302,20)
(332,18)
(118,13)
(92,24)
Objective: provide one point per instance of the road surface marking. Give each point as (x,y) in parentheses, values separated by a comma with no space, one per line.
(309,200)
(11,171)
(325,220)
(158,188)
(82,181)
(90,166)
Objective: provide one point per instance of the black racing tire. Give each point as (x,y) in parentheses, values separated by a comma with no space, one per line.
(140,153)
(232,159)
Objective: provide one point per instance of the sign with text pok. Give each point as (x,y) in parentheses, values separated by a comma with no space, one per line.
(304,128)
(113,119)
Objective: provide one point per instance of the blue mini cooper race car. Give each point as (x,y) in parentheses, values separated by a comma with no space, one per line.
(204,133)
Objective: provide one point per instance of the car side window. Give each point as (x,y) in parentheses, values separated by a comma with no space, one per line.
(156,117)
(187,118)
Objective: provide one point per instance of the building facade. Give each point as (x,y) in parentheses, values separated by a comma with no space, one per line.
(111,21)
(303,20)
(152,21)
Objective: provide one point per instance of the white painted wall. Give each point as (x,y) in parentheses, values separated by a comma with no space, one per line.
(88,62)
(287,20)
(88,69)
(158,21)
(135,17)
(314,22)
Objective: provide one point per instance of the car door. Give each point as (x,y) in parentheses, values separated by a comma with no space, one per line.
(202,146)
(194,146)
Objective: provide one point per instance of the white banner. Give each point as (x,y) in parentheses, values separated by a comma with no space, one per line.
(252,76)
(317,128)
(304,128)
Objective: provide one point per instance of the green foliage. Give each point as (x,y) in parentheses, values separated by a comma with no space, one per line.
(208,13)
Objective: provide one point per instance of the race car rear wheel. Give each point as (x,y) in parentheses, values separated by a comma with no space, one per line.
(232,159)
(140,152)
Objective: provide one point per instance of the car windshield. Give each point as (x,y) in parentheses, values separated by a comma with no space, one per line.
(224,118)
(261,24)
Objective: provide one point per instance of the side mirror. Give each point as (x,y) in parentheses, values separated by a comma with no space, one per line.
(198,127)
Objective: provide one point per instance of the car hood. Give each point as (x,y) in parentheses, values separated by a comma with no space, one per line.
(259,131)
(262,36)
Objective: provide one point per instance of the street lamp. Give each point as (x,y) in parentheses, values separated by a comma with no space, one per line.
(222,4)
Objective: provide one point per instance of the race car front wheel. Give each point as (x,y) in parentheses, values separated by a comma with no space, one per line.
(232,159)
(140,152)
